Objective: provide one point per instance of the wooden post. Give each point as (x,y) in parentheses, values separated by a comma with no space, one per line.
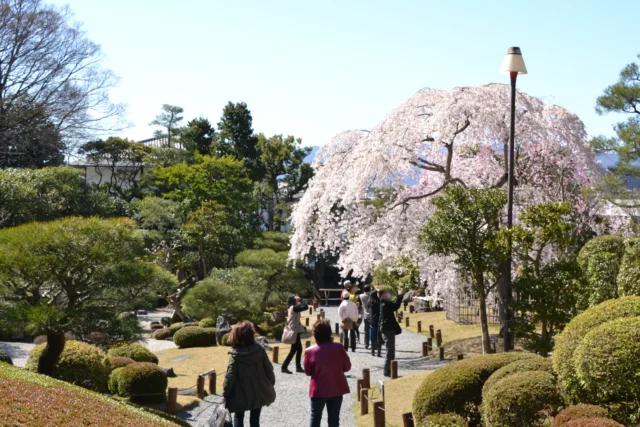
(172,400)
(438,338)
(200,387)
(307,344)
(431,333)
(394,369)
(276,350)
(212,383)
(342,338)
(400,316)
(407,420)
(366,378)
(419,326)
(319,316)
(441,353)
(407,322)
(430,343)
(359,388)
(378,413)
(460,356)
(412,309)
(310,311)
(337,328)
(425,349)
(364,401)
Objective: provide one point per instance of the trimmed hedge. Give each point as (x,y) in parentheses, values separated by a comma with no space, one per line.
(80,364)
(599,260)
(207,323)
(629,275)
(139,380)
(574,333)
(225,340)
(119,362)
(161,334)
(156,327)
(593,422)
(517,399)
(457,387)
(577,412)
(135,351)
(607,363)
(175,327)
(444,420)
(195,336)
(37,400)
(537,363)
(5,358)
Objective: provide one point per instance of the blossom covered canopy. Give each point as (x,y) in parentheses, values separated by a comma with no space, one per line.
(435,139)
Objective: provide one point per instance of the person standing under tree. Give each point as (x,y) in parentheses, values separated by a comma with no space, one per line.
(326,362)
(249,382)
(348,312)
(389,326)
(296,306)
(374,327)
(366,313)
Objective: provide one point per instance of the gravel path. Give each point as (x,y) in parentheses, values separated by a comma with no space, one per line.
(292,406)
(17,351)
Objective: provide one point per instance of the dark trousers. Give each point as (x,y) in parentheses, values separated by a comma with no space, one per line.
(333,405)
(367,332)
(390,337)
(349,335)
(254,418)
(297,350)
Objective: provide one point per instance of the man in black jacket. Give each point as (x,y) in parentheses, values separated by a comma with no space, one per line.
(389,326)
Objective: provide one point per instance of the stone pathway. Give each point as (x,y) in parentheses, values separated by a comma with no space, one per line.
(292,406)
(17,351)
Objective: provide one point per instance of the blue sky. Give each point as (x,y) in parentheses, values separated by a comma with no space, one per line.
(314,69)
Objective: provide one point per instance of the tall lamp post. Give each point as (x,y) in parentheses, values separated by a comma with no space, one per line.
(513,65)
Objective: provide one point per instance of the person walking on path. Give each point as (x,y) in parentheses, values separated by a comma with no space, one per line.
(351,286)
(348,312)
(296,306)
(326,362)
(374,324)
(366,313)
(389,326)
(249,382)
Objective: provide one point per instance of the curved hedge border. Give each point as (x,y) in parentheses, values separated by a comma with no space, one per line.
(135,351)
(444,420)
(577,412)
(457,387)
(194,336)
(537,363)
(140,381)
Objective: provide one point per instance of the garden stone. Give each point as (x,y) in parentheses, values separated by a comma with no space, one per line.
(263,342)
(222,328)
(141,313)
(169,372)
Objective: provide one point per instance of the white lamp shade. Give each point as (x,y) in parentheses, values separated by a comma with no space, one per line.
(513,62)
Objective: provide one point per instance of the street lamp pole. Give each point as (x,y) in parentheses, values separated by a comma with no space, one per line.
(513,65)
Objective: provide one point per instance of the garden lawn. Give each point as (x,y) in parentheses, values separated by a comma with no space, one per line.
(399,399)
(35,400)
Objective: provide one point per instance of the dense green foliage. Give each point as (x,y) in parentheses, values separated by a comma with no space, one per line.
(135,351)
(457,388)
(466,227)
(579,411)
(80,364)
(140,381)
(592,422)
(194,336)
(533,364)
(120,361)
(207,322)
(629,276)
(403,275)
(4,358)
(518,399)
(607,365)
(224,340)
(599,260)
(569,340)
(444,420)
(39,400)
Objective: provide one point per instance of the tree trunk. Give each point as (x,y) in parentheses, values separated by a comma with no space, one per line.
(175,303)
(51,353)
(318,273)
(486,343)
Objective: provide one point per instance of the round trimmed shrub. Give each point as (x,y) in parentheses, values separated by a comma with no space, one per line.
(5,358)
(40,339)
(175,327)
(156,327)
(207,323)
(629,275)
(537,363)
(579,411)
(119,362)
(135,351)
(138,380)
(444,420)
(80,364)
(193,336)
(161,334)
(457,387)
(592,422)
(517,399)
(573,334)
(225,340)
(607,363)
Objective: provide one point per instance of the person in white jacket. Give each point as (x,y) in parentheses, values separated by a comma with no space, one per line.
(348,312)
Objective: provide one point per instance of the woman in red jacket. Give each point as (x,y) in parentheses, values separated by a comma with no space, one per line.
(326,362)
